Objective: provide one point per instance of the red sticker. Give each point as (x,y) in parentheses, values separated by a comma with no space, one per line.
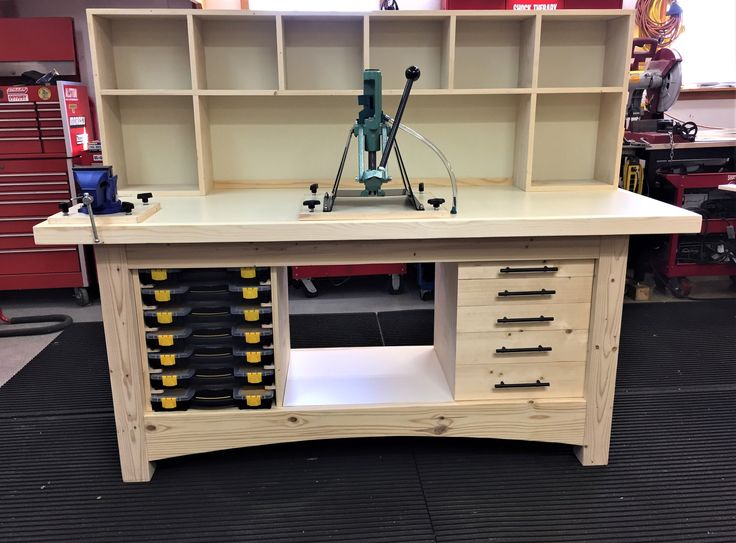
(70,93)
(17,94)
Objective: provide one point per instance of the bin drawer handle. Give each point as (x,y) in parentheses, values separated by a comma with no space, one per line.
(541,292)
(535,384)
(537,349)
(543,269)
(541,318)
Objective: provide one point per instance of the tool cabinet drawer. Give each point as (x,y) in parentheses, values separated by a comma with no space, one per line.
(526,268)
(10,145)
(521,346)
(25,261)
(19,225)
(24,241)
(505,380)
(22,169)
(28,209)
(505,318)
(536,290)
(34,195)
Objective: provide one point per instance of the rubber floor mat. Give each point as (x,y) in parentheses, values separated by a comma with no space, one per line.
(412,327)
(335,330)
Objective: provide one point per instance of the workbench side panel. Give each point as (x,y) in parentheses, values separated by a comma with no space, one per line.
(124,341)
(178,434)
(445,319)
(605,327)
(281,333)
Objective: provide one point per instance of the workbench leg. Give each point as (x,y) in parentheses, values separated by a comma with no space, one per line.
(124,342)
(605,327)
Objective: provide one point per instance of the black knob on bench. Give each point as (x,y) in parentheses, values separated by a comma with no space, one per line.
(436,202)
(145,196)
(313,188)
(311,204)
(127,207)
(64,207)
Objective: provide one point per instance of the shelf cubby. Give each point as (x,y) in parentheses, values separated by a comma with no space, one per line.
(584,52)
(323,52)
(396,43)
(494,53)
(236,53)
(150,141)
(141,52)
(577,141)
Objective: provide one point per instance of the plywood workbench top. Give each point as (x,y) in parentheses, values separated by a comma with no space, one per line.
(271,215)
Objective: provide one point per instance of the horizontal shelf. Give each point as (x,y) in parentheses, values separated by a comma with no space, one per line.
(146,92)
(181,189)
(568,184)
(578,90)
(374,376)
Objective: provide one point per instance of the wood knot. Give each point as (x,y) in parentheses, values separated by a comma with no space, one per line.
(440,429)
(293,419)
(150,428)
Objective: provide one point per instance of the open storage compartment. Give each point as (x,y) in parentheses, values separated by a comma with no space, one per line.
(323,53)
(150,141)
(494,53)
(236,52)
(399,42)
(584,52)
(142,52)
(577,141)
(390,374)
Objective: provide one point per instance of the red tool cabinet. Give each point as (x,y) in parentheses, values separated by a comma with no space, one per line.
(35,175)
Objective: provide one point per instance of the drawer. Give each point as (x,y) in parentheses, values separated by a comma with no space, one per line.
(28,209)
(53,145)
(515,380)
(36,195)
(521,346)
(23,121)
(39,186)
(20,225)
(39,261)
(20,145)
(504,317)
(26,167)
(526,268)
(530,290)
(17,241)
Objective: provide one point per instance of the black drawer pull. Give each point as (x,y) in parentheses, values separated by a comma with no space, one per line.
(541,292)
(541,318)
(537,383)
(537,349)
(543,269)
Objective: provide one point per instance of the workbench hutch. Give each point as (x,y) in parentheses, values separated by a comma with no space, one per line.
(227,117)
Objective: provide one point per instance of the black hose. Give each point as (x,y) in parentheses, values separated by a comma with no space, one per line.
(59,323)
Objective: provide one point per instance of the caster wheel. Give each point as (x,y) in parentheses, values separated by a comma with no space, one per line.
(426,295)
(395,286)
(310,291)
(680,287)
(81,296)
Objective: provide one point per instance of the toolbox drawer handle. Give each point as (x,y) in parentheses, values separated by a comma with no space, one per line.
(543,269)
(541,292)
(537,349)
(535,384)
(540,318)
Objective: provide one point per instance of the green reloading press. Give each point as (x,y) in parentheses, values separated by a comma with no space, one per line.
(376,132)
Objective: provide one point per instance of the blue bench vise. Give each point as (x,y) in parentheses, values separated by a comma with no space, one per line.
(102,186)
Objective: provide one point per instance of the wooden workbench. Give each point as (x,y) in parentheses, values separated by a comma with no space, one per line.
(444,390)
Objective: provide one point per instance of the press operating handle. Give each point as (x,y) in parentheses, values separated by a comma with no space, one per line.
(412,74)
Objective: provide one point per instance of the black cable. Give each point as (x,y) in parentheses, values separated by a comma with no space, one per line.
(59,322)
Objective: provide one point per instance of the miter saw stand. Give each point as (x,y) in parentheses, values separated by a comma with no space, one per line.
(661,81)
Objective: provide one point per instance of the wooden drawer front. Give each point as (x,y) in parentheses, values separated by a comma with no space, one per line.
(482,381)
(503,317)
(557,345)
(528,291)
(526,268)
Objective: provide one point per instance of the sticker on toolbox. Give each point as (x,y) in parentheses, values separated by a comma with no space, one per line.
(44,93)
(17,94)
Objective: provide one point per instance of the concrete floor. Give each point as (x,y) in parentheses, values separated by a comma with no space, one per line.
(355,295)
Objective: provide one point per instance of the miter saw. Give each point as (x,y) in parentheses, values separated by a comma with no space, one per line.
(376,131)
(661,80)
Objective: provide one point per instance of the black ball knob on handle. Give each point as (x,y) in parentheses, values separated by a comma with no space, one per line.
(412,73)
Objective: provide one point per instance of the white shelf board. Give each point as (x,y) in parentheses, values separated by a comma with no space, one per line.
(365,376)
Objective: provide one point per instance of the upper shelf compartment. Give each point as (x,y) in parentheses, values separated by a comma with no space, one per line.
(236,53)
(323,53)
(142,52)
(584,52)
(399,42)
(494,53)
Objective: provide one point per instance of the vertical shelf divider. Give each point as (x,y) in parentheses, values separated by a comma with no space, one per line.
(366,42)
(529,76)
(280,52)
(202,141)
(448,64)
(196,53)
(281,334)
(524,142)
